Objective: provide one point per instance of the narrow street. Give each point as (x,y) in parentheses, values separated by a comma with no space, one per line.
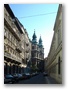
(28,57)
(39,79)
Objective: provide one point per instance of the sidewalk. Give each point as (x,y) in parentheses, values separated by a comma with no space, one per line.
(51,80)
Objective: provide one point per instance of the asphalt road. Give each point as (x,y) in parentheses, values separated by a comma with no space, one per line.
(38,79)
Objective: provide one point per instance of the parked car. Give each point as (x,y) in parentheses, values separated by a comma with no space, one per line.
(8,79)
(31,74)
(16,77)
(19,76)
(26,75)
(35,73)
(45,73)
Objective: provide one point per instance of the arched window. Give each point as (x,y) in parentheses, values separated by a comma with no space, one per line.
(59,65)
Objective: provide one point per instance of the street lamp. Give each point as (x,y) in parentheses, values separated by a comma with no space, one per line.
(23,65)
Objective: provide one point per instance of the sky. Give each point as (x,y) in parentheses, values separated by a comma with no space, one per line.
(40,17)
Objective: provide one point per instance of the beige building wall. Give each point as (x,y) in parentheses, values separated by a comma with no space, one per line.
(27,47)
(54,62)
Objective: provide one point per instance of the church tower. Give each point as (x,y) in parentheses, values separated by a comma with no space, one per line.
(40,42)
(40,61)
(37,53)
(41,49)
(34,38)
(34,51)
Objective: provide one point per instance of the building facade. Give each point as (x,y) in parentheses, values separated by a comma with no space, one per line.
(27,51)
(17,45)
(37,53)
(54,61)
(12,47)
(45,63)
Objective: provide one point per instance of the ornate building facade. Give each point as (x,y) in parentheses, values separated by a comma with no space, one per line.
(54,59)
(37,53)
(17,45)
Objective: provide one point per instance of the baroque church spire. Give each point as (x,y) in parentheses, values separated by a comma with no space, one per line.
(40,42)
(34,38)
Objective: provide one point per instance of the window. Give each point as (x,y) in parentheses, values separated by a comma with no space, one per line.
(6,32)
(7,49)
(12,39)
(15,52)
(15,42)
(32,47)
(9,36)
(4,48)
(59,65)
(33,54)
(11,51)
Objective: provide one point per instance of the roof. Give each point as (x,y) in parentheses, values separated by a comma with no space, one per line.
(18,24)
(9,10)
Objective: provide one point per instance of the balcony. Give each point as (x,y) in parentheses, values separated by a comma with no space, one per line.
(6,54)
(27,44)
(19,49)
(11,26)
(12,57)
